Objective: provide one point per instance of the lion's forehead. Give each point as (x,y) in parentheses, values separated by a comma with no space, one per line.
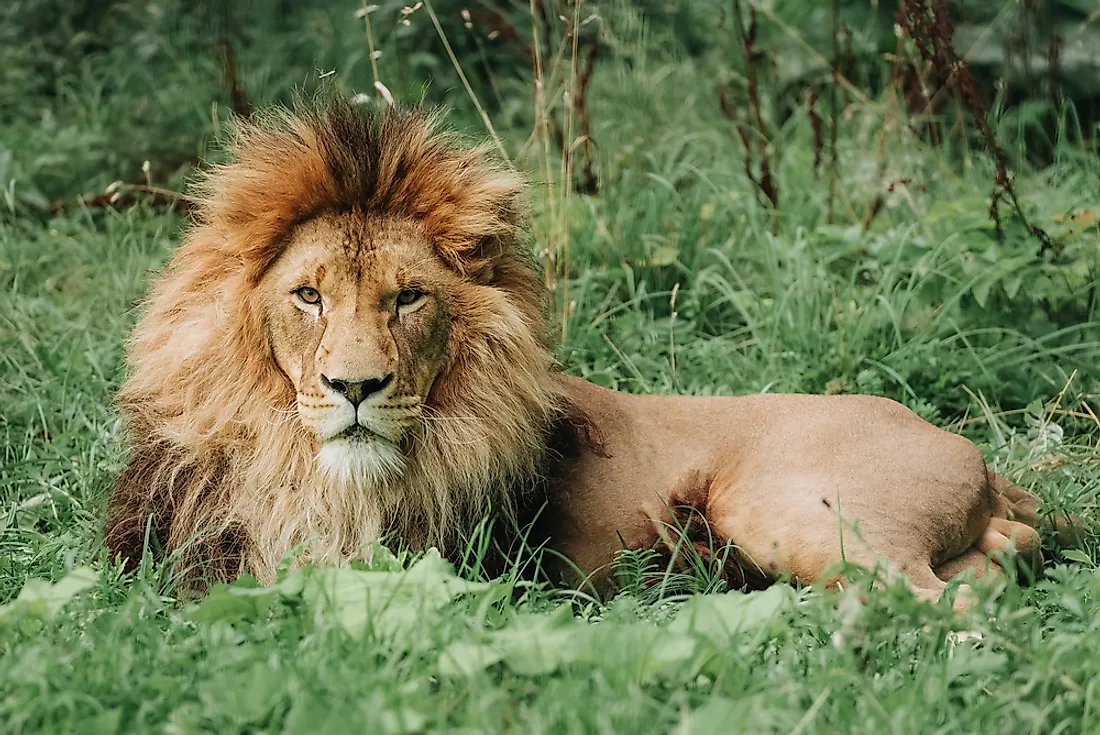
(360,254)
(355,236)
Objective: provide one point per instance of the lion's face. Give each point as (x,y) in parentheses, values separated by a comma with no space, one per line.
(358,311)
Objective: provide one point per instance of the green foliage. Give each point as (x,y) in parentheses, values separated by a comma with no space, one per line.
(40,600)
(680,280)
(382,603)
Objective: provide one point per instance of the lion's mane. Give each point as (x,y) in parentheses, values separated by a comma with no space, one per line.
(220,470)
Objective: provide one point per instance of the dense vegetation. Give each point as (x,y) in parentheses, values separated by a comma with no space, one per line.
(749,207)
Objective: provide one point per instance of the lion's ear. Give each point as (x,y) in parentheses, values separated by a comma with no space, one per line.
(483,259)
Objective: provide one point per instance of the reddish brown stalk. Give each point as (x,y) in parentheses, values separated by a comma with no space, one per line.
(818,128)
(1054,75)
(755,128)
(834,111)
(124,196)
(589,183)
(231,78)
(927,23)
(896,83)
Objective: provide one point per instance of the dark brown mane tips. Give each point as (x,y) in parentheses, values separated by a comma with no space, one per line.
(289,164)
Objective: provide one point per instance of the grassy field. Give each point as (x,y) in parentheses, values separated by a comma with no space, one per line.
(675,277)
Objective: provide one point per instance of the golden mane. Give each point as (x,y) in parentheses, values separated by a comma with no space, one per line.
(220,469)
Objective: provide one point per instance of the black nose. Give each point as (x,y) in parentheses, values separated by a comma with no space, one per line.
(357,391)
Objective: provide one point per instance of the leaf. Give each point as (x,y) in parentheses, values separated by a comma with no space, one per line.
(41,599)
(543,651)
(961,214)
(108,722)
(531,645)
(664,255)
(974,662)
(1078,556)
(384,560)
(1073,605)
(669,651)
(243,600)
(718,714)
(721,617)
(644,651)
(540,644)
(243,697)
(386,602)
(465,658)
(404,720)
(981,292)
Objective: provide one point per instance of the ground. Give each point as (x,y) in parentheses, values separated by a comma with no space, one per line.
(676,276)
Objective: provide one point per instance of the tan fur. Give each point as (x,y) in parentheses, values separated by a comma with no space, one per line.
(797,483)
(238,430)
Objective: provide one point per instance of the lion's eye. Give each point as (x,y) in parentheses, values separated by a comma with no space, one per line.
(409,296)
(308,295)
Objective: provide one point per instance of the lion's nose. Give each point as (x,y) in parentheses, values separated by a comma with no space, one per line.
(357,391)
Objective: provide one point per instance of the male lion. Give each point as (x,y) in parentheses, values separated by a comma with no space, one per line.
(350,343)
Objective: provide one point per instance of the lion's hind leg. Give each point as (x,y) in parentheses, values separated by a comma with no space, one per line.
(816,557)
(988,557)
(1003,536)
(1017,504)
(926,583)
(1011,528)
(921,578)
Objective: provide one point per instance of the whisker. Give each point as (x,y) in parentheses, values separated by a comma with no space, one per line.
(441,419)
(432,413)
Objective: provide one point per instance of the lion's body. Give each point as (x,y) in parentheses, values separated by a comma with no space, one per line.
(796,482)
(350,344)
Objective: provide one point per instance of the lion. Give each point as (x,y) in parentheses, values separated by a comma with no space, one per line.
(351,343)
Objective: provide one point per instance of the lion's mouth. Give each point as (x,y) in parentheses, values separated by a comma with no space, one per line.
(358,433)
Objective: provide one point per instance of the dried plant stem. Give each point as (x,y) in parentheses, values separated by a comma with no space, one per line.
(816,128)
(590,184)
(466,82)
(370,47)
(844,82)
(542,128)
(566,181)
(484,56)
(927,22)
(764,181)
(874,206)
(833,105)
(150,189)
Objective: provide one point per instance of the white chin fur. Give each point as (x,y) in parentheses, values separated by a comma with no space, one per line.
(358,462)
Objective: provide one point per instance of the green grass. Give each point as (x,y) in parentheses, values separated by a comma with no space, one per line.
(680,281)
